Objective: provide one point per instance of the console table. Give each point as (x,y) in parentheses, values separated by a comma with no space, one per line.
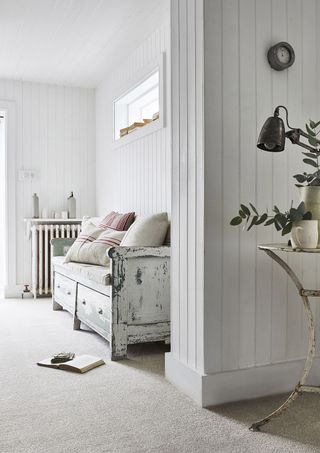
(271,249)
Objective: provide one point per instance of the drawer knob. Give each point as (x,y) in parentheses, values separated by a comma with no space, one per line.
(100,311)
(58,286)
(69,293)
(83,301)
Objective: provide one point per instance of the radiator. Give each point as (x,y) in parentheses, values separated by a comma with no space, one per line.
(41,236)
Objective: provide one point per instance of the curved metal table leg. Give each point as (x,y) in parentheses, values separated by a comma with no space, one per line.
(311,347)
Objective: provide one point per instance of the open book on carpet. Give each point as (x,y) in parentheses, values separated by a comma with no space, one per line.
(80,364)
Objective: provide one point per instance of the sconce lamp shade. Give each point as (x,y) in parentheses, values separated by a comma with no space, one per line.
(272,136)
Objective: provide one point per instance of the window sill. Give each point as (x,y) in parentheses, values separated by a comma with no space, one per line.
(138,134)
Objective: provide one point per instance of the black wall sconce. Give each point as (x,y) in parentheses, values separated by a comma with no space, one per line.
(273,135)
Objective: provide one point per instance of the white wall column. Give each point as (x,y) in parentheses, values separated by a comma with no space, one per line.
(238,330)
(185,362)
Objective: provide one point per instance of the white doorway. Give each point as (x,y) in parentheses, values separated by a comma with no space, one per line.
(3,141)
(8,142)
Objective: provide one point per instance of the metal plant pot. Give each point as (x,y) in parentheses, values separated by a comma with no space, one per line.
(310,195)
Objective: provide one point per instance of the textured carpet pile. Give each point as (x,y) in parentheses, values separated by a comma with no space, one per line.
(123,407)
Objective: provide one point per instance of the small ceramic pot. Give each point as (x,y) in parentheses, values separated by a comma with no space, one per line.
(304,234)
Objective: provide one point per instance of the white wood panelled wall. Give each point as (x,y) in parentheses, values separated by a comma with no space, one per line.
(135,176)
(185,364)
(55,136)
(259,314)
(253,329)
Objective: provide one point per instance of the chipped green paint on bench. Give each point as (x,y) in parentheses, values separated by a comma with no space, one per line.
(135,308)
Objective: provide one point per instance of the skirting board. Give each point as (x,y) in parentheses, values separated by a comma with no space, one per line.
(213,389)
(184,378)
(13,292)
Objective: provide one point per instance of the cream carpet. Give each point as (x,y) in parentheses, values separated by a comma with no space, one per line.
(124,406)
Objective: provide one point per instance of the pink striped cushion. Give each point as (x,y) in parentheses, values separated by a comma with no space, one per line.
(92,249)
(117,221)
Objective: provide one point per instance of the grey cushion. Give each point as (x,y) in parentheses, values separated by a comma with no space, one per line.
(98,274)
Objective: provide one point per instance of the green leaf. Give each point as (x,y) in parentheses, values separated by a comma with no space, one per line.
(307,215)
(312,155)
(295,215)
(245,210)
(253,222)
(276,209)
(242,214)
(313,141)
(300,178)
(269,222)
(313,124)
(310,162)
(301,208)
(315,182)
(253,208)
(277,225)
(280,219)
(310,131)
(236,221)
(262,219)
(287,229)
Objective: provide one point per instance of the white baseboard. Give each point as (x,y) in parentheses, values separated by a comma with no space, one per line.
(212,389)
(13,291)
(186,379)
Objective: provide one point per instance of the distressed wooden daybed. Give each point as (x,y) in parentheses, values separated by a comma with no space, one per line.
(127,303)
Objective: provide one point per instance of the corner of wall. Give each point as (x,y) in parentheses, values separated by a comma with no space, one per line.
(186,379)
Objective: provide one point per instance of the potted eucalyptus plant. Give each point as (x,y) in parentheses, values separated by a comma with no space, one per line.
(307,214)
(308,182)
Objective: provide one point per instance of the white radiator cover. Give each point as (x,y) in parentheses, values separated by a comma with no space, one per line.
(41,235)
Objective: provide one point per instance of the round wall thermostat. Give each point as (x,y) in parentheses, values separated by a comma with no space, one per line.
(281,56)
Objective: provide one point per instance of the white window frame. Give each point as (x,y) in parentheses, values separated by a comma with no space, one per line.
(140,77)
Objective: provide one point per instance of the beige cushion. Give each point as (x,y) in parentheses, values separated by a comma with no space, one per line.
(147,230)
(98,274)
(92,244)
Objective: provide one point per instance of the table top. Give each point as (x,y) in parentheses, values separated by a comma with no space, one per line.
(284,247)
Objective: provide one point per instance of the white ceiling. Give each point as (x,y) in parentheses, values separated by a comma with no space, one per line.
(72,42)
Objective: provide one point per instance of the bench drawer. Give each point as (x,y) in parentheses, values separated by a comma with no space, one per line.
(94,309)
(65,291)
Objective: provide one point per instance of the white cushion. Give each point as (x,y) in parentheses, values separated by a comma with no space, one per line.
(149,230)
(98,274)
(92,243)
